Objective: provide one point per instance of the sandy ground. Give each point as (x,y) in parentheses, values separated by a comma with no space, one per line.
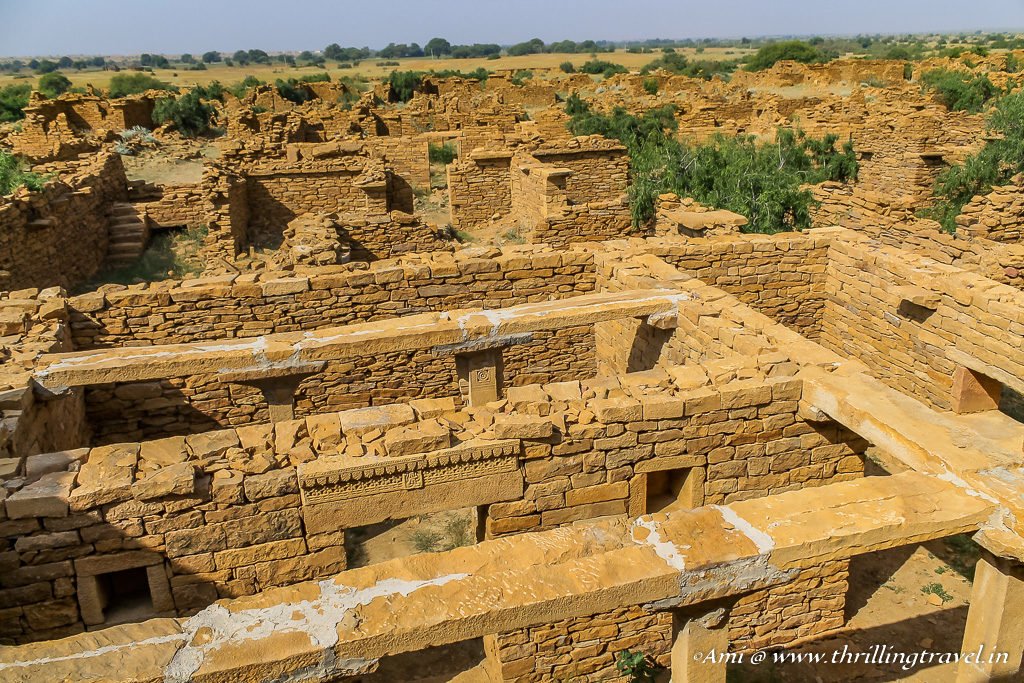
(369,68)
(174,163)
(907,599)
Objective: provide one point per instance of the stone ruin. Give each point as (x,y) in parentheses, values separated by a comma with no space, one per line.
(669,441)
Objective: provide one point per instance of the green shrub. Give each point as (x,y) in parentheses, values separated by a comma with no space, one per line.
(404,84)
(13,175)
(444,153)
(315,78)
(122,85)
(293,90)
(760,180)
(636,666)
(908,71)
(651,86)
(481,74)
(678,64)
(1000,159)
(213,91)
(13,100)
(960,90)
(791,50)
(53,84)
(605,68)
(567,67)
(240,89)
(189,114)
(521,76)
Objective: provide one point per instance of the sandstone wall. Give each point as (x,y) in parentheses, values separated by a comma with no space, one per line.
(997,216)
(275,199)
(244,306)
(180,205)
(199,403)
(780,275)
(915,349)
(58,235)
(479,188)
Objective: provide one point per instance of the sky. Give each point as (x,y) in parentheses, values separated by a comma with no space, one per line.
(129,27)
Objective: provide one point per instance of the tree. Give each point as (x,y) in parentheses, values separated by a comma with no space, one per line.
(211,57)
(65,62)
(13,174)
(436,47)
(135,83)
(240,57)
(13,100)
(530,47)
(186,58)
(960,90)
(763,181)
(46,66)
(792,50)
(53,84)
(189,114)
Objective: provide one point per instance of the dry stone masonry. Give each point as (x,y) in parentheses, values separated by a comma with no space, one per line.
(660,440)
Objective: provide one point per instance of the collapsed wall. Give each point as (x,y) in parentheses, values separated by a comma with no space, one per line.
(59,234)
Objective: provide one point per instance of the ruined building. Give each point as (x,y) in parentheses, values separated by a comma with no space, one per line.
(669,441)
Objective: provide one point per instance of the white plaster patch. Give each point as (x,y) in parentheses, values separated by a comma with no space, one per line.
(663,549)
(763,541)
(318,619)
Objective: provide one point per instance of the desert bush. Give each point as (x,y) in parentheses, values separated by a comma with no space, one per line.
(960,90)
(567,67)
(189,114)
(636,666)
(760,180)
(479,73)
(213,91)
(679,64)
(792,50)
(13,174)
(13,100)
(242,87)
(53,84)
(602,67)
(321,77)
(1000,159)
(444,153)
(651,86)
(134,139)
(521,76)
(404,84)
(122,85)
(293,90)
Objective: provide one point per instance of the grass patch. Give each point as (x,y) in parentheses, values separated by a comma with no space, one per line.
(937,590)
(444,153)
(14,174)
(170,256)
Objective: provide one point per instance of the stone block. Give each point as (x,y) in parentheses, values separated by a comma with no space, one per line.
(47,497)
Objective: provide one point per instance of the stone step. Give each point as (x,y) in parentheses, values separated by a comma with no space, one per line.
(126,226)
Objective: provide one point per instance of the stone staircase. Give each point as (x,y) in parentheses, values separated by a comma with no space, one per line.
(128,235)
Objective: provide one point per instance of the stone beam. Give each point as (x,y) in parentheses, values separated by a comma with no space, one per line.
(980,452)
(339,626)
(277,353)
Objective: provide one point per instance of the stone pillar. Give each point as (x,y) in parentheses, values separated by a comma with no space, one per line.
(278,386)
(699,647)
(974,392)
(480,373)
(995,623)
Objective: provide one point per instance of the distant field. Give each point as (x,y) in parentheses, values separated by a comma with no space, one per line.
(368,68)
